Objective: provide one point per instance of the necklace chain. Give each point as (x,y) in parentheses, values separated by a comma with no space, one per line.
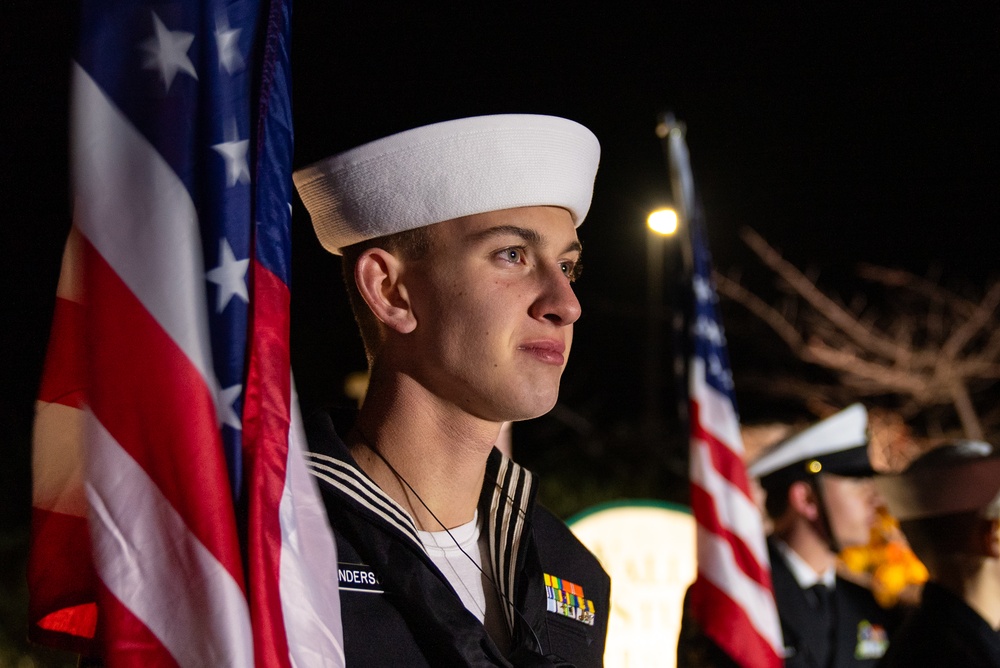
(364,441)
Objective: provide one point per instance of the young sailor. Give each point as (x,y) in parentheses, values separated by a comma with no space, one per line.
(459,250)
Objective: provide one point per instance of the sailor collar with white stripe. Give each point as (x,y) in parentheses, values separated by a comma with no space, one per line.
(505,502)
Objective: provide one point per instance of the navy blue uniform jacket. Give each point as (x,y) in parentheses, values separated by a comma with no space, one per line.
(858,636)
(399,610)
(943,631)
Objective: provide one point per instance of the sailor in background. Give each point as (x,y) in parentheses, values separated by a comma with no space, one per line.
(948,504)
(821,498)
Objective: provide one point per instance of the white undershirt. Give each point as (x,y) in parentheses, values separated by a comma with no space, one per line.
(464,572)
(803,572)
(461,569)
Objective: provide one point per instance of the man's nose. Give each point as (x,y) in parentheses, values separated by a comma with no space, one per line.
(556,301)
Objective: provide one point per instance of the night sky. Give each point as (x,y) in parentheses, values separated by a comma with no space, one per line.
(843,133)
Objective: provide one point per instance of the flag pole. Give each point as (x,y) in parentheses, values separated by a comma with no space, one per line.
(672,138)
(670,131)
(732,599)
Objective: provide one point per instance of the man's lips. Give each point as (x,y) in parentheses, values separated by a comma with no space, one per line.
(547,351)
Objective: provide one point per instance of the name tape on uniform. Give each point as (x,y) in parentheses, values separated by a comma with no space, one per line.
(358,577)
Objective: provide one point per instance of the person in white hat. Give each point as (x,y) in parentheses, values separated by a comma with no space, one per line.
(459,250)
(821,498)
(948,505)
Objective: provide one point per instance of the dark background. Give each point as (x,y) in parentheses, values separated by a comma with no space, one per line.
(841,132)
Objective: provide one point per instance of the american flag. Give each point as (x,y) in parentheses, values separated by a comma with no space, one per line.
(732,599)
(174,522)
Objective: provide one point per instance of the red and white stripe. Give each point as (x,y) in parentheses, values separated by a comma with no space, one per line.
(295,601)
(732,597)
(63,585)
(162,523)
(310,599)
(128,462)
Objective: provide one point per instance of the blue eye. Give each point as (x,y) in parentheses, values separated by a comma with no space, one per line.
(512,255)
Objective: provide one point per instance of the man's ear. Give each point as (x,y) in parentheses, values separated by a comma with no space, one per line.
(377,274)
(802,498)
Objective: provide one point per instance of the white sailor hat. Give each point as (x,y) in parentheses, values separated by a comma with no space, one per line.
(837,444)
(448,170)
(959,477)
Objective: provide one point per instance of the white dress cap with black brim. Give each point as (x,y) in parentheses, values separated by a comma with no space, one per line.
(449,170)
(959,477)
(837,444)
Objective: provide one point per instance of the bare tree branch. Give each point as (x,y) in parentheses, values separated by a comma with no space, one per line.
(966,411)
(979,319)
(992,347)
(934,293)
(789,387)
(898,381)
(761,309)
(934,352)
(821,302)
(977,369)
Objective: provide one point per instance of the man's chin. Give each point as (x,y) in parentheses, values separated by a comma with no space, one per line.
(528,410)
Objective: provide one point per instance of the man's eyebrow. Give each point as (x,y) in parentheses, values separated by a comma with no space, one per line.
(506,230)
(528,235)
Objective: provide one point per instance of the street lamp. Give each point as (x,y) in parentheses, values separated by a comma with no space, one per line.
(661,223)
